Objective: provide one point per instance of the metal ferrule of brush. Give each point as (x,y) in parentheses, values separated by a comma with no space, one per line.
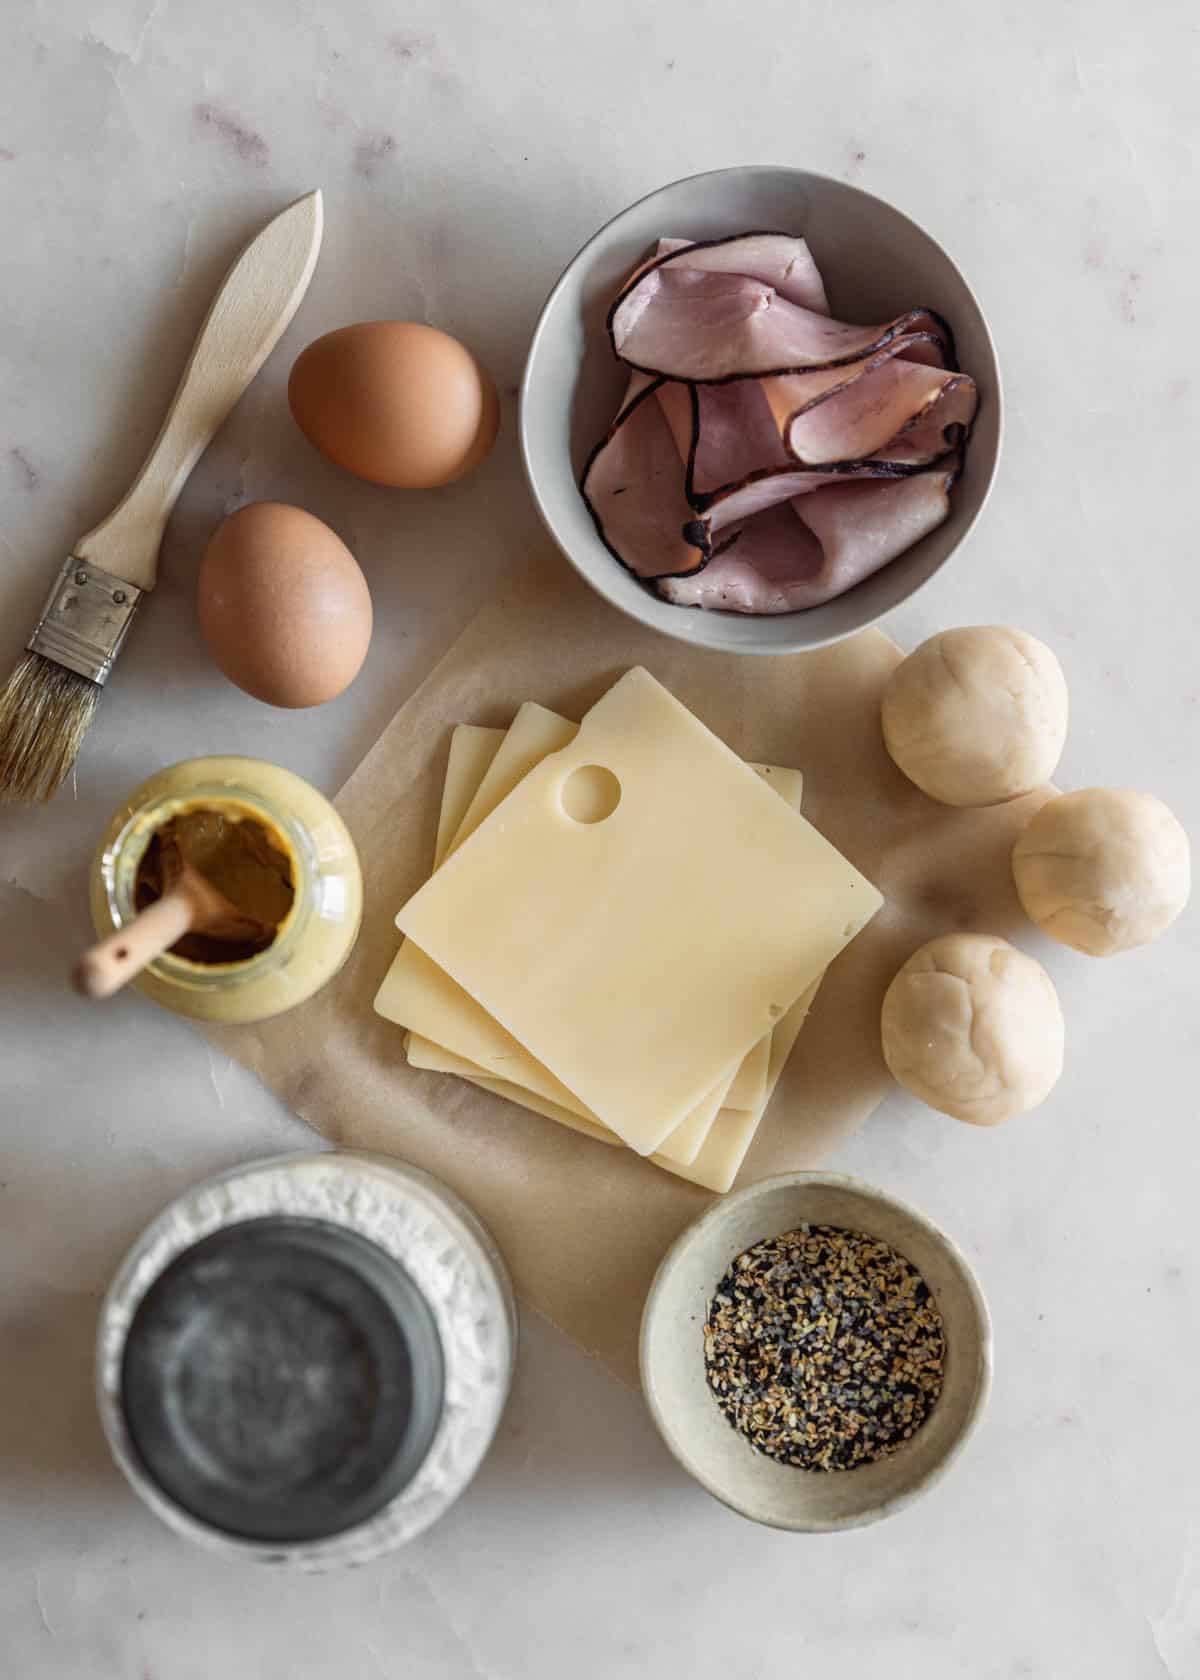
(86,618)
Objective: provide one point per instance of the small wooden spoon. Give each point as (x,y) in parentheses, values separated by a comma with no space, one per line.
(190,905)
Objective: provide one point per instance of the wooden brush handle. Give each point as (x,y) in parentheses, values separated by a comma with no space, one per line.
(114,961)
(257,299)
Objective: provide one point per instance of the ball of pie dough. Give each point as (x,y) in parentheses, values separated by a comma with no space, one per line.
(977,716)
(972,1026)
(1103,869)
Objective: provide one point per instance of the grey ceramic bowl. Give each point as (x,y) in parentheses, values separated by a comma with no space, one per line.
(696,1431)
(875,262)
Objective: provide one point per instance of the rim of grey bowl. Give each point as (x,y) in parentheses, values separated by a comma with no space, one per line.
(640,610)
(983,1386)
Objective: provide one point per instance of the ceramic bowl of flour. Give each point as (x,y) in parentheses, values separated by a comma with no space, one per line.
(303,1361)
(876,262)
(696,1430)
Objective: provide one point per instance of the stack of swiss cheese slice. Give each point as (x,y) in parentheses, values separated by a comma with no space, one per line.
(625,927)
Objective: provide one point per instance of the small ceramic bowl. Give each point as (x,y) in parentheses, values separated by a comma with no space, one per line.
(875,261)
(687,1415)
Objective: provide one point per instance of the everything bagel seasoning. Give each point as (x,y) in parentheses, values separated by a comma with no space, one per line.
(824,1348)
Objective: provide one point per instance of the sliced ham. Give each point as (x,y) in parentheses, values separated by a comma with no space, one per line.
(733,435)
(734,441)
(862,527)
(664,248)
(634,489)
(643,483)
(686,322)
(741,501)
(897,399)
(778,260)
(764,565)
(942,424)
(792,394)
(798,555)
(766,457)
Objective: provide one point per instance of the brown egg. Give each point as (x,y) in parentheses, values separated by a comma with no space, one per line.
(283,606)
(395,402)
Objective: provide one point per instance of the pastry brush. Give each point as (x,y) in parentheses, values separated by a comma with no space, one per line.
(51,697)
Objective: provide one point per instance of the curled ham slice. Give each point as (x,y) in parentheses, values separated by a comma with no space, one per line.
(902,392)
(743,501)
(736,461)
(688,322)
(798,555)
(778,261)
(898,403)
(634,486)
(767,457)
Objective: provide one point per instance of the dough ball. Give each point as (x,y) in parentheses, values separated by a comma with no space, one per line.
(972,1026)
(1103,869)
(977,716)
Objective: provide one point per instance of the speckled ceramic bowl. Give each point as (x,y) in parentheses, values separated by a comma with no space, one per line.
(696,1431)
(875,262)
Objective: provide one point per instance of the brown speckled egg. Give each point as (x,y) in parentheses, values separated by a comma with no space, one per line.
(283,606)
(395,402)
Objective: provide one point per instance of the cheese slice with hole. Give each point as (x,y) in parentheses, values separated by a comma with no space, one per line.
(469,763)
(716,1161)
(475,793)
(535,732)
(636,958)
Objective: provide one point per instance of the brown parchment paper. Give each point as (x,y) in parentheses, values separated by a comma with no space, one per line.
(584,1227)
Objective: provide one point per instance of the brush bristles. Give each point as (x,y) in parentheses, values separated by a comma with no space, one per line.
(45,711)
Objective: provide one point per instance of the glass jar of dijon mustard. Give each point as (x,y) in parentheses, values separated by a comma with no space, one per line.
(270,842)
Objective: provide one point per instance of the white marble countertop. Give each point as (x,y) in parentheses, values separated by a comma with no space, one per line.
(466,149)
